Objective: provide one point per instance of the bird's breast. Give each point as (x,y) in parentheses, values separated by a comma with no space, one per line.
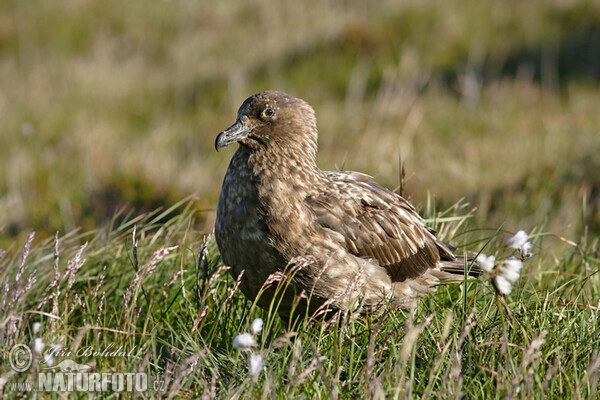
(241,233)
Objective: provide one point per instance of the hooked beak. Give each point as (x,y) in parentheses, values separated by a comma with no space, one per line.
(234,133)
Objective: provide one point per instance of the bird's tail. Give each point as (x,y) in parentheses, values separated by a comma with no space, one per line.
(460,264)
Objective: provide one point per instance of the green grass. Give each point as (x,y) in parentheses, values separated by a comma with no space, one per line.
(110,110)
(181,316)
(120,103)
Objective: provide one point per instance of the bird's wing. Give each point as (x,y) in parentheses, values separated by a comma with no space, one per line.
(378,224)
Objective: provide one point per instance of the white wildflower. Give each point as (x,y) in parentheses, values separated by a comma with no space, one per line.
(257,326)
(511,269)
(518,240)
(38,345)
(255,364)
(525,249)
(508,273)
(560,315)
(244,342)
(503,285)
(36,327)
(486,263)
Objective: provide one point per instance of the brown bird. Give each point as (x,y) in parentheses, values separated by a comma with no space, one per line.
(356,244)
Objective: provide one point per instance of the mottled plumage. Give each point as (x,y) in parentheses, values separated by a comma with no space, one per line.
(359,244)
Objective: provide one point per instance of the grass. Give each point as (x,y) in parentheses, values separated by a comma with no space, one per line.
(110,112)
(120,104)
(179,313)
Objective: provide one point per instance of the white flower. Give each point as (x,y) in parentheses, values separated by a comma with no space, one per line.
(244,342)
(511,269)
(256,326)
(36,327)
(255,364)
(38,345)
(518,240)
(486,263)
(508,273)
(503,285)
(525,249)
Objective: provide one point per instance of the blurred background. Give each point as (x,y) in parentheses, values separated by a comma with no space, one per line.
(112,103)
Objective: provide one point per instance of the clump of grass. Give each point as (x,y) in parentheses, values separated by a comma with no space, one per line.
(163,296)
(453,85)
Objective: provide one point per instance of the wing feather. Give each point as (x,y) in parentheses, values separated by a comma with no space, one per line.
(377,223)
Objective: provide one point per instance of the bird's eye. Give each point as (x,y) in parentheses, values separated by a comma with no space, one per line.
(269,112)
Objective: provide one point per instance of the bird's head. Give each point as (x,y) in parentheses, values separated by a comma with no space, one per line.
(272,118)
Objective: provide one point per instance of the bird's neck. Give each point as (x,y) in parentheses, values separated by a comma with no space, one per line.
(283,178)
(288,166)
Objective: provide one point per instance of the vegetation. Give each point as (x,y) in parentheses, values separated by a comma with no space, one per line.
(119,102)
(176,316)
(110,109)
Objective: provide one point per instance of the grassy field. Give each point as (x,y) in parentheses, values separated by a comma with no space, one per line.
(109,112)
(177,317)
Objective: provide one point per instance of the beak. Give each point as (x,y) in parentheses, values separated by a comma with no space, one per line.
(234,133)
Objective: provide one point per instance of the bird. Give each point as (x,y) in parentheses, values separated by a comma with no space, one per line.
(342,241)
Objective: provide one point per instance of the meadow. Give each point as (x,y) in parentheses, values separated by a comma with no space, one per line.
(109,113)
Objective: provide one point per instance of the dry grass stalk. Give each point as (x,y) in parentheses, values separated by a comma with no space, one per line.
(185,368)
(526,369)
(20,272)
(73,265)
